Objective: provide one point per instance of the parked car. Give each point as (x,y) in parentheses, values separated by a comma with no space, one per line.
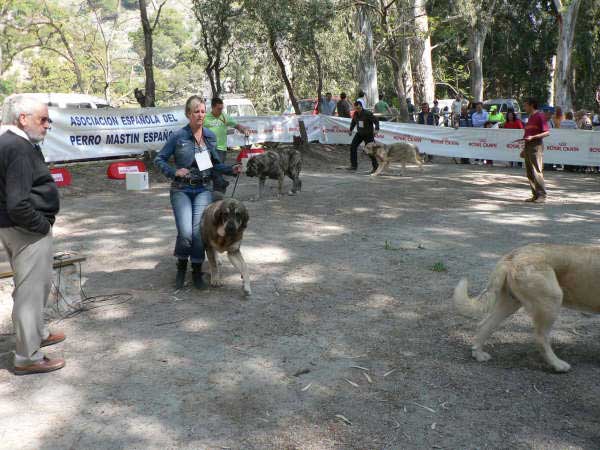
(503,105)
(307,106)
(64,100)
(236,106)
(443,102)
(239,106)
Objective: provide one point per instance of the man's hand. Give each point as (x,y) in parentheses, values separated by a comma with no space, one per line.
(528,138)
(349,132)
(237,168)
(182,173)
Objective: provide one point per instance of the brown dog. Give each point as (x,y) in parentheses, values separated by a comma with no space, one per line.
(542,278)
(402,152)
(223,225)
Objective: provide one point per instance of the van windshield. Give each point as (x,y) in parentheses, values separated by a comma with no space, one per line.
(241,110)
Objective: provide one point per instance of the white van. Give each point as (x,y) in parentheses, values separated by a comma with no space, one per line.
(60,100)
(236,106)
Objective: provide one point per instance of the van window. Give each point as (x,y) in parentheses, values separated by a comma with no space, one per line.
(233,110)
(247,110)
(78,105)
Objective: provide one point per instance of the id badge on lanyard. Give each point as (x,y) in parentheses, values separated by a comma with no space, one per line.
(203,161)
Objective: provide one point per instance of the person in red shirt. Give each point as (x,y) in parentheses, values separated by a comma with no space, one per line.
(533,151)
(512,121)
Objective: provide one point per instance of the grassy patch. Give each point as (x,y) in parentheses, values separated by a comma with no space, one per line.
(388,246)
(439,267)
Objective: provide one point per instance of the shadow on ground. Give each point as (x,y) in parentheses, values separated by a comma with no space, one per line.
(355,273)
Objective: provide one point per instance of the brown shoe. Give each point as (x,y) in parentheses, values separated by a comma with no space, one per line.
(43,366)
(54,338)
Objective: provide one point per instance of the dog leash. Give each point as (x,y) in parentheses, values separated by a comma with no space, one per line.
(238,175)
(235,185)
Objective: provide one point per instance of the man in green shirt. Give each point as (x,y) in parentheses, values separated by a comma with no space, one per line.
(218,122)
(381,107)
(496,116)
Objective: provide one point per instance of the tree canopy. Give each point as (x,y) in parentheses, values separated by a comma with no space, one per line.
(277,51)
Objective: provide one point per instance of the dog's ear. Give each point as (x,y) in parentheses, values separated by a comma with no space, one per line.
(245,217)
(219,213)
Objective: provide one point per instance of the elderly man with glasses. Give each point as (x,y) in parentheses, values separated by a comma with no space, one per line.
(29,203)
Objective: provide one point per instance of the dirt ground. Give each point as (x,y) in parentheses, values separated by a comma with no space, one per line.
(353,272)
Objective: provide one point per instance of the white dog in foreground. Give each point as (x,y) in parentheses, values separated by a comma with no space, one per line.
(542,278)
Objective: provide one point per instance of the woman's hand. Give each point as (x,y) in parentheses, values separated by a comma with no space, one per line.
(182,173)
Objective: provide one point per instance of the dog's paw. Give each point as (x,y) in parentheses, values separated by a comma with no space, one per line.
(481,356)
(216,282)
(561,366)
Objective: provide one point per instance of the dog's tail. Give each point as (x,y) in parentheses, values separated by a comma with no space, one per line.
(477,306)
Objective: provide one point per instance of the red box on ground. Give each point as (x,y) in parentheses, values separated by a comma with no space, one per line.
(249,153)
(62,176)
(118,170)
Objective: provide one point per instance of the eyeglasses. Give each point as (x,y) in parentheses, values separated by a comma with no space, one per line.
(42,120)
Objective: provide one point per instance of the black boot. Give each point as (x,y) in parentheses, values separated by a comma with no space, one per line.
(181,271)
(197,276)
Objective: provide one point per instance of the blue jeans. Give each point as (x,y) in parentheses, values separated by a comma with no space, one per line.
(188,205)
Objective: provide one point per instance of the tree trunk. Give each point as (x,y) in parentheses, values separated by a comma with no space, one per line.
(476,43)
(424,85)
(409,81)
(551,83)
(567,19)
(286,80)
(150,86)
(367,65)
(211,79)
(399,87)
(319,67)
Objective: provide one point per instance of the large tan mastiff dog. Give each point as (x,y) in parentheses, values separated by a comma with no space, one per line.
(223,226)
(402,152)
(541,278)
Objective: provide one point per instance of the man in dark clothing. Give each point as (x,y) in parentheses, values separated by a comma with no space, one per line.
(411,110)
(366,124)
(344,106)
(29,203)
(425,117)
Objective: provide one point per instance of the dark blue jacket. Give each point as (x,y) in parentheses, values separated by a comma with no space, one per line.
(182,147)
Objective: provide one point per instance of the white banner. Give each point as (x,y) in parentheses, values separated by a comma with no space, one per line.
(100,133)
(275,129)
(577,147)
(97,133)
